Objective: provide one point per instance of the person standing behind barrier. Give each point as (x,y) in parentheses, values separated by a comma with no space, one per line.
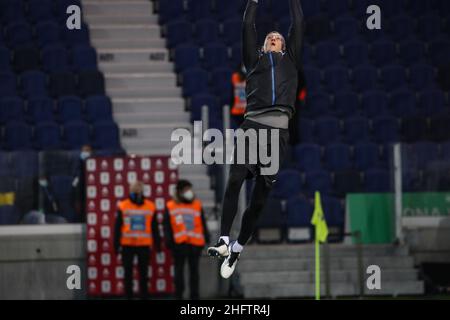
(186,235)
(133,236)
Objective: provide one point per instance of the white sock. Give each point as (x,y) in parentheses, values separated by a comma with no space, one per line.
(226,239)
(236,247)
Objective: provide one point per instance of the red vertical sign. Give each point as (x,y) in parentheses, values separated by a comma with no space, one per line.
(107,182)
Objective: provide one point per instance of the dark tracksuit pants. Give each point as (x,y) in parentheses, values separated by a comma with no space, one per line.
(182,253)
(143,255)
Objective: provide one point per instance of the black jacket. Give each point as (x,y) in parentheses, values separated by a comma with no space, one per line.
(272,77)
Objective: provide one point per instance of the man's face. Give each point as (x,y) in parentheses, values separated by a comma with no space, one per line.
(137,187)
(274,42)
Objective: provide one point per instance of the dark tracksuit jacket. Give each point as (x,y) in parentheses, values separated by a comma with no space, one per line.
(272,78)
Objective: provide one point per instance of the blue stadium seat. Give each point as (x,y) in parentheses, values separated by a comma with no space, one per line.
(337,157)
(186,55)
(374,103)
(313,78)
(386,129)
(40,10)
(26,58)
(34,84)
(199,9)
(336,8)
(377,180)
(215,54)
(229,9)
(346,103)
(77,36)
(232,29)
(178,32)
(24,164)
(55,58)
(432,102)
(106,135)
(430,25)
(18,34)
(41,109)
(84,57)
(364,77)
(445,151)
(306,130)
(415,128)
(389,8)
(11,10)
(69,108)
(346,28)
(169,10)
(401,27)
(298,216)
(200,100)
(438,128)
(47,136)
(76,134)
(367,155)
(422,76)
(403,103)
(91,83)
(336,78)
(347,181)
(98,108)
(310,7)
(9,215)
(356,129)
(62,190)
(62,84)
(422,154)
(327,130)
(60,8)
(327,53)
(439,50)
(11,109)
(417,7)
(271,222)
(48,33)
(17,136)
(289,184)
(221,82)
(195,80)
(318,181)
(356,52)
(206,31)
(5,59)
(393,77)
(8,84)
(317,104)
(335,217)
(411,181)
(383,52)
(236,55)
(411,51)
(308,157)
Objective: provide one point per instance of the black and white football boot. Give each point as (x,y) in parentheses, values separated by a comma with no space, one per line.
(220,249)
(229,264)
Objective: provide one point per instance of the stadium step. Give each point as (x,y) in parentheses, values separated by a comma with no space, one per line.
(134,43)
(133,55)
(108,67)
(151,92)
(131,7)
(133,105)
(141,118)
(140,80)
(125,32)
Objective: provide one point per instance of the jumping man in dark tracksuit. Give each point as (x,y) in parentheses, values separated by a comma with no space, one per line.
(271,90)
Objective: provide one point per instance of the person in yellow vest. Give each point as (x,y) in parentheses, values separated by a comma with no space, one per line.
(133,236)
(186,235)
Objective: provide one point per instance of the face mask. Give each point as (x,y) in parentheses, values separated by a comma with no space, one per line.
(43,183)
(188,195)
(136,197)
(84,155)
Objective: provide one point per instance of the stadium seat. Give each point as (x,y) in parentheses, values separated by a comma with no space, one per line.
(84,58)
(47,136)
(215,54)
(356,52)
(62,84)
(9,215)
(347,181)
(24,164)
(327,53)
(34,84)
(335,217)
(186,55)
(327,130)
(336,8)
(206,31)
(11,109)
(439,50)
(40,109)
(289,184)
(422,76)
(221,82)
(106,135)
(411,51)
(336,78)
(98,108)
(76,134)
(356,129)
(200,100)
(271,223)
(195,80)
(77,36)
(401,27)
(313,78)
(377,180)
(47,33)
(229,9)
(393,77)
(40,10)
(317,104)
(18,34)
(298,219)
(91,83)
(199,9)
(69,108)
(306,130)
(178,32)
(346,103)
(417,7)
(386,129)
(365,77)
(422,154)
(415,128)
(308,157)
(232,29)
(367,155)
(55,58)
(26,58)
(318,181)
(346,28)
(412,181)
(12,10)
(430,25)
(62,190)
(169,9)
(374,103)
(432,102)
(310,8)
(337,157)
(438,130)
(403,103)
(17,136)
(236,55)
(5,59)
(8,84)
(383,52)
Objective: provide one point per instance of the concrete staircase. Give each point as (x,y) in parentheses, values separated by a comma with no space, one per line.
(285,271)
(141,82)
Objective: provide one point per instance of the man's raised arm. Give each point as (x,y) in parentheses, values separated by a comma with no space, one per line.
(249,36)
(295,38)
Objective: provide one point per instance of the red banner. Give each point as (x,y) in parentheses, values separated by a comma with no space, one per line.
(107,182)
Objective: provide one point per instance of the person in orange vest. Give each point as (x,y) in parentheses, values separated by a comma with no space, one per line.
(238,98)
(186,235)
(133,236)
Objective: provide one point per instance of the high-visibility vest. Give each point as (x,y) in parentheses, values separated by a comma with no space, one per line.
(186,222)
(137,223)
(239,100)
